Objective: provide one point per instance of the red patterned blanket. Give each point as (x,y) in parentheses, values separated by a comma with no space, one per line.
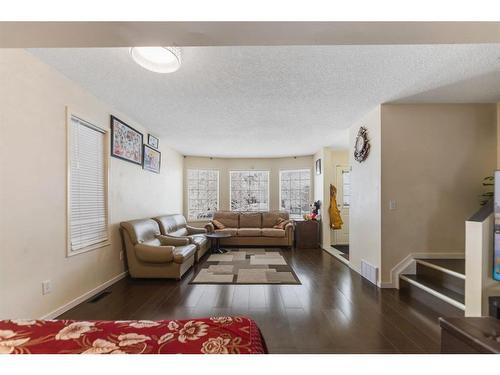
(217,335)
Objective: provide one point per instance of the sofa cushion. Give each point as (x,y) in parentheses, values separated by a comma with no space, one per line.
(281,224)
(179,233)
(251,220)
(170,223)
(228,218)
(182,253)
(231,231)
(217,224)
(141,231)
(155,242)
(269,219)
(249,232)
(271,232)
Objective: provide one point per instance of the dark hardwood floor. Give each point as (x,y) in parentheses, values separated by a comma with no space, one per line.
(333,311)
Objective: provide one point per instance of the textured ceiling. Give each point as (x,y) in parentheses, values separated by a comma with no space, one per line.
(277,101)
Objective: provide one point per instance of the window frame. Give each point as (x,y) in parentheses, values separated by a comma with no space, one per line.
(294,170)
(106,149)
(268,187)
(187,191)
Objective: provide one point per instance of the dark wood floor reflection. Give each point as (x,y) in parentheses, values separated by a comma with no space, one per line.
(333,311)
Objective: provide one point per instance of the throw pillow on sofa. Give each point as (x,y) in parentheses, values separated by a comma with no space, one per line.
(218,225)
(281,223)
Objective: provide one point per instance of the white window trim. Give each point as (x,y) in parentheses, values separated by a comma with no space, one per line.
(106,151)
(187,191)
(343,185)
(295,170)
(268,186)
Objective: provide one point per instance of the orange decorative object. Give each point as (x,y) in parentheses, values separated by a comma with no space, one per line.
(335,218)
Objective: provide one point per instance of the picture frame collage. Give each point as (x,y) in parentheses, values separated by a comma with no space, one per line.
(128,144)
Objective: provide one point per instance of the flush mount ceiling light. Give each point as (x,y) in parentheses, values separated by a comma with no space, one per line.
(157,59)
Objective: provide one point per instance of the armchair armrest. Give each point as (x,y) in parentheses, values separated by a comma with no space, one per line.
(210,227)
(154,254)
(172,241)
(194,230)
(289,228)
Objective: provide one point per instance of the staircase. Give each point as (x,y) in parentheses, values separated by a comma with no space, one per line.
(438,283)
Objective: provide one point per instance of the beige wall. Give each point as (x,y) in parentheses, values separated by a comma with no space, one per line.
(364,212)
(33,98)
(434,158)
(224,165)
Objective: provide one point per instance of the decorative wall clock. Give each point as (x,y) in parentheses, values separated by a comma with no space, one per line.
(362,145)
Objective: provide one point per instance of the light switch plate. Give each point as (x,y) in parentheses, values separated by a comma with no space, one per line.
(46,287)
(392,205)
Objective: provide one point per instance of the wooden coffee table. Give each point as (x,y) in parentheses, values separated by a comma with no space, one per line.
(215,242)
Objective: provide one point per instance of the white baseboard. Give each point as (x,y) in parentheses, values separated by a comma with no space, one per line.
(408,264)
(83,297)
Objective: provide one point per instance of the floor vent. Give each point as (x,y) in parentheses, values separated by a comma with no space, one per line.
(99,297)
(369,272)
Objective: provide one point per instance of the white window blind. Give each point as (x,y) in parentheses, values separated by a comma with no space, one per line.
(249,190)
(88,211)
(295,191)
(203,193)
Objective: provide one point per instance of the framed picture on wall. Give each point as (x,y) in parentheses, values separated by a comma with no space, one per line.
(153,141)
(126,142)
(152,159)
(318,166)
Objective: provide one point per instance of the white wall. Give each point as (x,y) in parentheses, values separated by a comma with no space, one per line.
(365,217)
(479,284)
(33,99)
(224,165)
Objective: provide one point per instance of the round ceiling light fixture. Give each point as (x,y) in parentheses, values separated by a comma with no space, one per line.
(157,59)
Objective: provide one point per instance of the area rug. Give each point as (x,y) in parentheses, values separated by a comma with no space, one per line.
(246,266)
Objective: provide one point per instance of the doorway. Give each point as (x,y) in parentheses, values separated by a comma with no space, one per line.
(340,238)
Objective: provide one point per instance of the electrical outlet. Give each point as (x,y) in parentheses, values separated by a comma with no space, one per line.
(121,255)
(46,287)
(392,205)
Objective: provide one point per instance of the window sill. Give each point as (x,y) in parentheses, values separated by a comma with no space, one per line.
(88,248)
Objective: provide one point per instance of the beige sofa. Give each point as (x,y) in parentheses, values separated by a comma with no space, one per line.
(255,229)
(176,226)
(152,255)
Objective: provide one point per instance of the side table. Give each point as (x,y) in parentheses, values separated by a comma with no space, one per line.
(307,234)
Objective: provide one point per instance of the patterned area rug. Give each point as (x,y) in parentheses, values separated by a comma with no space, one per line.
(246,266)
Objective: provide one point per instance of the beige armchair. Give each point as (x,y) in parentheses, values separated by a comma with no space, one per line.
(175,226)
(151,255)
